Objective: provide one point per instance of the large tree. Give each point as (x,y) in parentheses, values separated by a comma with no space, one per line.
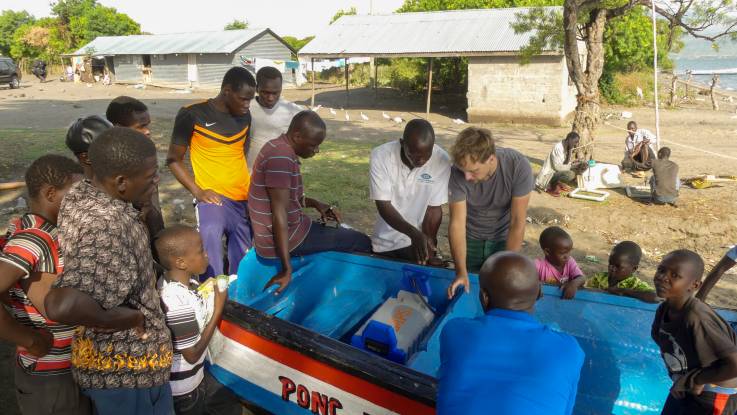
(10,21)
(581,28)
(340,13)
(236,25)
(81,21)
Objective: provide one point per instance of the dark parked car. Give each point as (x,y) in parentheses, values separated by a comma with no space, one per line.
(9,72)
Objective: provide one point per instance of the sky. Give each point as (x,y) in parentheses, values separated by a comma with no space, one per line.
(298,18)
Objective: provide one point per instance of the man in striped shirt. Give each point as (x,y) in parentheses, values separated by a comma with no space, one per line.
(281,228)
(29,263)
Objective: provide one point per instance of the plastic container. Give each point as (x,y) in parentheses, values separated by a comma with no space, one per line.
(393,330)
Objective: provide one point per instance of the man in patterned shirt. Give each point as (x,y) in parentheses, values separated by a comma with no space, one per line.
(29,263)
(108,258)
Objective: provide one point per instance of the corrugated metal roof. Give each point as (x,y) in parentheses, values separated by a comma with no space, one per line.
(225,41)
(444,33)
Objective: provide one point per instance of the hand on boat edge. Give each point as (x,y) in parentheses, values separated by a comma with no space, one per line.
(282,279)
(460,280)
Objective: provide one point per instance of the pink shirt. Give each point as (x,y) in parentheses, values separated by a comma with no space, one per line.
(550,275)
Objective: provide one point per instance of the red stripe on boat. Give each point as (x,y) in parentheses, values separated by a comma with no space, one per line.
(326,373)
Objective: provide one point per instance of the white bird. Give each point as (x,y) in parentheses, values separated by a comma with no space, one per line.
(385,115)
(347,118)
(398,120)
(639,93)
(364,117)
(458,121)
(332,111)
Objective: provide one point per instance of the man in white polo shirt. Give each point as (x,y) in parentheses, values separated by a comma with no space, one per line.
(409,183)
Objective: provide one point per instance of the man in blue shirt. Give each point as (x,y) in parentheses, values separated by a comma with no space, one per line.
(506,362)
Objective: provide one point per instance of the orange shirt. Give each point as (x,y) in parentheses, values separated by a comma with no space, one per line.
(217,148)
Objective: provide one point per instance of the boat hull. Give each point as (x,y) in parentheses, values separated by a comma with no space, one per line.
(289,354)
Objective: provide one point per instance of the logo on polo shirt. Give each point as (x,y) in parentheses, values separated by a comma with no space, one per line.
(425,178)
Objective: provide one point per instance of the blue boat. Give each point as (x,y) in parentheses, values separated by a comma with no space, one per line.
(292,354)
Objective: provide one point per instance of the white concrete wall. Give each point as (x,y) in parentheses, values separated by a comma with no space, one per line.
(500,89)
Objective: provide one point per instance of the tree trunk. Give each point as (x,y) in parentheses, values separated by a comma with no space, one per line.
(714,103)
(673,91)
(588,109)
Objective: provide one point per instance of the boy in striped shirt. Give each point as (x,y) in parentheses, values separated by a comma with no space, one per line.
(192,323)
(29,263)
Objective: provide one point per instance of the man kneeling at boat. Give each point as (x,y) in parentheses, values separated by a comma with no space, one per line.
(502,360)
(281,228)
(409,183)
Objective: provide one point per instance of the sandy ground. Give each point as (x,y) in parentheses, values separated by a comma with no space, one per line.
(702,141)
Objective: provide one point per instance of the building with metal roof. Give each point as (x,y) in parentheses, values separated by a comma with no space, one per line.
(187,59)
(500,88)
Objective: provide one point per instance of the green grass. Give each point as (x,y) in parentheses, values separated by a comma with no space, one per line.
(21,146)
(339,175)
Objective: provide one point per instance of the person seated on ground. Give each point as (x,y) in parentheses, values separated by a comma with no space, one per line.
(725,264)
(500,362)
(488,190)
(698,347)
(280,226)
(192,324)
(621,277)
(216,132)
(665,183)
(640,146)
(559,168)
(558,266)
(271,116)
(107,258)
(29,263)
(409,184)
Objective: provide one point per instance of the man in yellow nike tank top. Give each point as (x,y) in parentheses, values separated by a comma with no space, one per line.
(216,132)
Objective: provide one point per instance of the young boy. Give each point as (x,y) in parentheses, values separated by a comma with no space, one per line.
(183,256)
(664,184)
(108,258)
(698,347)
(271,115)
(620,278)
(129,112)
(86,130)
(29,263)
(558,267)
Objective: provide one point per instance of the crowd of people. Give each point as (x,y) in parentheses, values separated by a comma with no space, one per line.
(103,301)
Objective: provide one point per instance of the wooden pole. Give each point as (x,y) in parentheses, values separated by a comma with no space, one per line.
(347,98)
(429,90)
(312,101)
(376,82)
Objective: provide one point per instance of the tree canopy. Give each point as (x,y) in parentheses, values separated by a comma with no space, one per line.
(592,24)
(10,21)
(297,44)
(73,24)
(340,13)
(236,25)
